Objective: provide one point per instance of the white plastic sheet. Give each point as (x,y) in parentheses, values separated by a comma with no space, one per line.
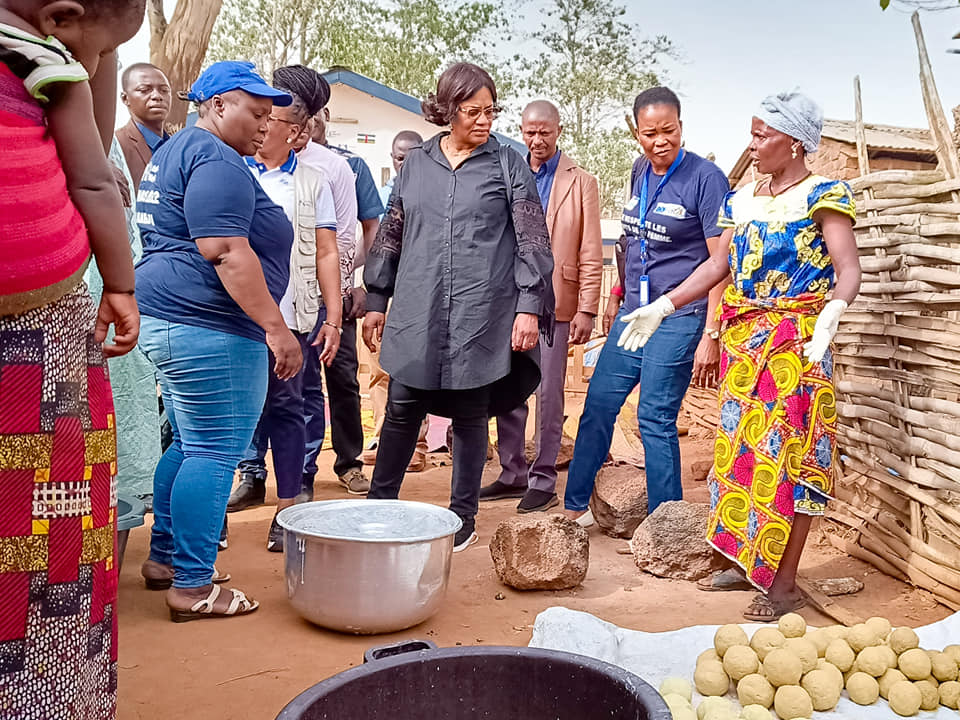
(656,656)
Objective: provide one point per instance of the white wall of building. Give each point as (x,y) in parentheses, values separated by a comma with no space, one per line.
(353,112)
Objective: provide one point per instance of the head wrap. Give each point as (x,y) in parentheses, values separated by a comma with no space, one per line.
(794,114)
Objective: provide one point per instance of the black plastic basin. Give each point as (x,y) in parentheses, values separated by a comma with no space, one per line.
(461,683)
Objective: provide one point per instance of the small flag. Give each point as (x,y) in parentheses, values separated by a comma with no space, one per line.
(366,138)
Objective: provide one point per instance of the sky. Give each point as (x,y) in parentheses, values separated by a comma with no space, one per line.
(735,52)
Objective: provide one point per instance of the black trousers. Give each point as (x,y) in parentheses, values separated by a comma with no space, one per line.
(406,408)
(343,391)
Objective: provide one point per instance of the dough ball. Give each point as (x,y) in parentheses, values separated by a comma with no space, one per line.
(710,678)
(838,631)
(713,704)
(727,636)
(755,690)
(863,689)
(873,661)
(721,714)
(792,701)
(903,639)
(905,698)
(887,681)
(755,712)
(686,713)
(740,661)
(676,703)
(792,625)
(950,694)
(832,670)
(805,650)
(915,664)
(881,626)
(677,686)
(943,667)
(766,639)
(953,652)
(710,654)
(821,639)
(929,694)
(782,667)
(862,636)
(840,654)
(823,689)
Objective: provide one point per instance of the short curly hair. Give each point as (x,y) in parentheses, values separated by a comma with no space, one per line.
(458,82)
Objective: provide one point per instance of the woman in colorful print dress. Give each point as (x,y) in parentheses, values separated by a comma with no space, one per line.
(788,244)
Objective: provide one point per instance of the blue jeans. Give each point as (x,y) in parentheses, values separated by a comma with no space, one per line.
(663,367)
(282,427)
(213,386)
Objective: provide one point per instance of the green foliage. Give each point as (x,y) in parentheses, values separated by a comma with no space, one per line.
(403,44)
(922,4)
(591,63)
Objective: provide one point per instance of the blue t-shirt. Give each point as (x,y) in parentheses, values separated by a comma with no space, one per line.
(369,204)
(678,223)
(196,186)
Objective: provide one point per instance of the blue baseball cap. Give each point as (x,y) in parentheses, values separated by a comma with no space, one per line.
(230,75)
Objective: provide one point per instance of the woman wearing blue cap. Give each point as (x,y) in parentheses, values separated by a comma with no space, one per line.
(789,245)
(216,257)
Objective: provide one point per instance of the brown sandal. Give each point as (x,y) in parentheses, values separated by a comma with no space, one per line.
(203,609)
(725,580)
(165,583)
(764,610)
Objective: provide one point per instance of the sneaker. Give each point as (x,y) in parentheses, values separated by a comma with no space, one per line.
(275,537)
(306,490)
(249,493)
(501,491)
(222,543)
(537,500)
(355,482)
(147,501)
(586,520)
(466,536)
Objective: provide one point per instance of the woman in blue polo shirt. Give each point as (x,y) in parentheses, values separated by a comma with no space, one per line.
(216,258)
(670,224)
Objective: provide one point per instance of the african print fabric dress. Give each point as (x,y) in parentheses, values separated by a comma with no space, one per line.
(775,444)
(58,581)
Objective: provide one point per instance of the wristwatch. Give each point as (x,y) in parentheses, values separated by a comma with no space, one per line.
(712,333)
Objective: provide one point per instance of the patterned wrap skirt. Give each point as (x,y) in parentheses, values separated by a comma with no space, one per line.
(58,580)
(775,443)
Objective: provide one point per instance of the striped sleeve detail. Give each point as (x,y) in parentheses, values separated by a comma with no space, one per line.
(37,62)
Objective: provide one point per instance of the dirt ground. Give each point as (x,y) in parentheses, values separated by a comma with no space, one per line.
(248,668)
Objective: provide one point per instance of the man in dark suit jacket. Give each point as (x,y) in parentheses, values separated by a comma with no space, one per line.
(147,95)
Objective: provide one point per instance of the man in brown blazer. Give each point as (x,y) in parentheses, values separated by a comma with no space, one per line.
(146,92)
(571,201)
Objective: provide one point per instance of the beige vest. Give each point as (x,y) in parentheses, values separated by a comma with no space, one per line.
(303,259)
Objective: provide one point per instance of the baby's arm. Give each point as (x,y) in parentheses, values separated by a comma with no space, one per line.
(93,190)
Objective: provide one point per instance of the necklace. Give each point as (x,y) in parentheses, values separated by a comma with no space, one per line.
(448,148)
(788,187)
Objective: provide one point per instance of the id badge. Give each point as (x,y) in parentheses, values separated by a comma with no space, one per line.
(632,204)
(644,290)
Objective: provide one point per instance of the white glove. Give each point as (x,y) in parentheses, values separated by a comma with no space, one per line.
(824,330)
(643,322)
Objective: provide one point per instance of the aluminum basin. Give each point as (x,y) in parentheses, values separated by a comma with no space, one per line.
(367,566)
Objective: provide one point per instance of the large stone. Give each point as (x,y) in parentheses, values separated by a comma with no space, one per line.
(671,542)
(564,455)
(540,552)
(619,500)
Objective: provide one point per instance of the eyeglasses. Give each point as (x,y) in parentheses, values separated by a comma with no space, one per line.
(473,113)
(276,119)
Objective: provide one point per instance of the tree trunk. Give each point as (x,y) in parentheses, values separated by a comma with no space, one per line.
(178,47)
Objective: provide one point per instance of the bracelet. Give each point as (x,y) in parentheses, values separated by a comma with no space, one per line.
(617,291)
(119,292)
(335,327)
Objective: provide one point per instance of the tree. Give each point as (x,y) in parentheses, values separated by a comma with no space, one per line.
(592,63)
(403,44)
(179,45)
(921,4)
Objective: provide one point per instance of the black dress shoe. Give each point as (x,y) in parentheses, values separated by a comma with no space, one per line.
(275,537)
(536,500)
(306,490)
(501,491)
(249,493)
